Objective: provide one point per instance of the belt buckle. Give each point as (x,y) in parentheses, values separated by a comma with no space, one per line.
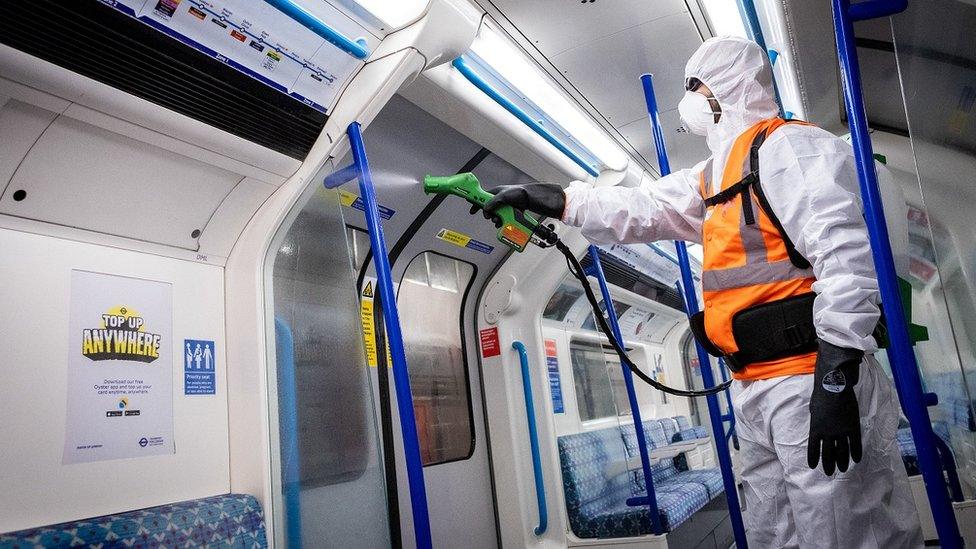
(793,336)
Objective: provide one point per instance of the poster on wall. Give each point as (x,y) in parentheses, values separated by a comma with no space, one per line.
(120,368)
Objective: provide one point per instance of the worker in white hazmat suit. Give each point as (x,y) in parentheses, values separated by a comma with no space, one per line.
(791,301)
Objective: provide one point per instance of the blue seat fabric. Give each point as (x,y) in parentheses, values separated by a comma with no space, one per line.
(909,454)
(230,520)
(683,423)
(597,505)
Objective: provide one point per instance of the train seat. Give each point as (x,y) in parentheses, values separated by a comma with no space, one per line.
(670,426)
(695,433)
(909,454)
(229,520)
(954,401)
(655,432)
(687,431)
(596,502)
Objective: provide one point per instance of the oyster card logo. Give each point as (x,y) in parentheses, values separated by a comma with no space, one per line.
(122,336)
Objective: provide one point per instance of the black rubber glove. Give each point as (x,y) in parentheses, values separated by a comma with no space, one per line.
(835,421)
(546,199)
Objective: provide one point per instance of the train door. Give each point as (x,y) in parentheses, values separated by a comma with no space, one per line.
(440,258)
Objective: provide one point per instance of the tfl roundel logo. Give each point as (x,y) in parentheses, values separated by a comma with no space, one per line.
(143,442)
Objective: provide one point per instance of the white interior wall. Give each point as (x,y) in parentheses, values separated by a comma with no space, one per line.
(37,489)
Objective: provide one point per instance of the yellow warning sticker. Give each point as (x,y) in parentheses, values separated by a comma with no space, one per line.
(369,337)
(346,198)
(369,334)
(351,200)
(454,237)
(462,240)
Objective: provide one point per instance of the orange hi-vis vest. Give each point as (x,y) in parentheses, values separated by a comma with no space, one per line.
(747,262)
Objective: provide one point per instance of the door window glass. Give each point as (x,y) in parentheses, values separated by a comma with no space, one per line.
(431,302)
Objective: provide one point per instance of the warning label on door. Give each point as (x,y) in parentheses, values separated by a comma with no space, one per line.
(490,345)
(367,317)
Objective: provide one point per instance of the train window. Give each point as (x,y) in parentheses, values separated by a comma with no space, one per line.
(600,390)
(431,303)
(618,307)
(562,301)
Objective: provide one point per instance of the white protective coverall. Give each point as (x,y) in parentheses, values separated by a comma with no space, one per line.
(810,179)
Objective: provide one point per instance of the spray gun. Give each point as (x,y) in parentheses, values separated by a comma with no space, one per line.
(515,227)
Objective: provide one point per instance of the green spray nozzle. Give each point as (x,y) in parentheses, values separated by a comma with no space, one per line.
(514,227)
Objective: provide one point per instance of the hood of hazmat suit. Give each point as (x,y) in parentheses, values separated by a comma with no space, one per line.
(741,79)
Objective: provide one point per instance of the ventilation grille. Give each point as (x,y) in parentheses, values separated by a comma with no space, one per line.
(92,39)
(619,274)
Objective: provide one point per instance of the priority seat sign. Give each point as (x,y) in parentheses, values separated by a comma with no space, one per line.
(199,367)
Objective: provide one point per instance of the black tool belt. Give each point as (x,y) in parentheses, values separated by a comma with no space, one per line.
(770,331)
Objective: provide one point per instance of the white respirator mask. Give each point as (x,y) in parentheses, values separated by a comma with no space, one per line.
(696,113)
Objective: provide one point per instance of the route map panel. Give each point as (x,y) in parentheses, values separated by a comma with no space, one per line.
(258,40)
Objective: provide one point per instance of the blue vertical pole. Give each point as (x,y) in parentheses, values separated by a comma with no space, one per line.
(288,412)
(904,368)
(391,318)
(691,307)
(651,498)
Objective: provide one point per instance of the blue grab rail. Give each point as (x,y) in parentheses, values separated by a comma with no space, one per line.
(288,411)
(650,499)
(904,367)
(540,487)
(873,9)
(691,307)
(341,176)
(391,318)
(517,112)
(355,48)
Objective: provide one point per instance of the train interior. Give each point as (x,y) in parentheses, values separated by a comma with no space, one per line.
(197,269)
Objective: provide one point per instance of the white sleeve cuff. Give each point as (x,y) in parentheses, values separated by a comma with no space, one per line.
(576,195)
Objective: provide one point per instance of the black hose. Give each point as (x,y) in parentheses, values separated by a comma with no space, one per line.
(577,271)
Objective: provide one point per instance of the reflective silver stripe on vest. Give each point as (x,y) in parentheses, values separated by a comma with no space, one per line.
(752,275)
(751,235)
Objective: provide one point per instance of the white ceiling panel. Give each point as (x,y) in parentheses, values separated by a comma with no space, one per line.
(684,149)
(555,26)
(607,70)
